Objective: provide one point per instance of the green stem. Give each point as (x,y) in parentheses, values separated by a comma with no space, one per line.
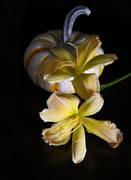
(115,81)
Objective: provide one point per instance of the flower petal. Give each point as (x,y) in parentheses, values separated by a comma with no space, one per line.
(62,54)
(86,84)
(58,134)
(56,77)
(60,106)
(55,65)
(97,70)
(65,86)
(78,145)
(87,50)
(100,60)
(105,130)
(91,105)
(56,70)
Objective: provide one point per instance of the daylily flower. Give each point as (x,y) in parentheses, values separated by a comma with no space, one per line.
(68,118)
(77,69)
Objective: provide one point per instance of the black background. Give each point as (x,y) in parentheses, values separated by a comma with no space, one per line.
(23,154)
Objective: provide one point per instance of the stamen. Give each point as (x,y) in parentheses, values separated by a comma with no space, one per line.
(77,126)
(62,64)
(72,124)
(71,44)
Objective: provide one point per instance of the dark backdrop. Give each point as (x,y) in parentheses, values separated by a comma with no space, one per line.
(23,154)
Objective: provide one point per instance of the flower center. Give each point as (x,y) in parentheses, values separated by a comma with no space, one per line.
(77,121)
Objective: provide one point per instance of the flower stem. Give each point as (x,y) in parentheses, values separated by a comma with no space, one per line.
(115,81)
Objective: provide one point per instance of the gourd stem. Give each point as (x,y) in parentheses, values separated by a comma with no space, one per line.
(69,22)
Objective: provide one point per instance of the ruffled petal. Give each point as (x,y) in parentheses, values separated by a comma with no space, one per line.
(78,145)
(60,106)
(105,130)
(91,105)
(86,84)
(58,134)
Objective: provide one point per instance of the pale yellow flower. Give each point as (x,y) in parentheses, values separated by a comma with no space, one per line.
(68,118)
(77,68)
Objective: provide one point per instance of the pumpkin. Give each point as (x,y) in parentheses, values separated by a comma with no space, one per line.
(40,50)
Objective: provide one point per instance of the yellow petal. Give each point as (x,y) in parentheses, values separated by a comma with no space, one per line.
(56,70)
(60,106)
(97,70)
(62,54)
(100,60)
(54,65)
(56,77)
(105,130)
(78,145)
(50,66)
(86,84)
(91,105)
(58,134)
(87,50)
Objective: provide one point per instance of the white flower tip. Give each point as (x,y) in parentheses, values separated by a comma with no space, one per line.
(40,114)
(42,117)
(77,159)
